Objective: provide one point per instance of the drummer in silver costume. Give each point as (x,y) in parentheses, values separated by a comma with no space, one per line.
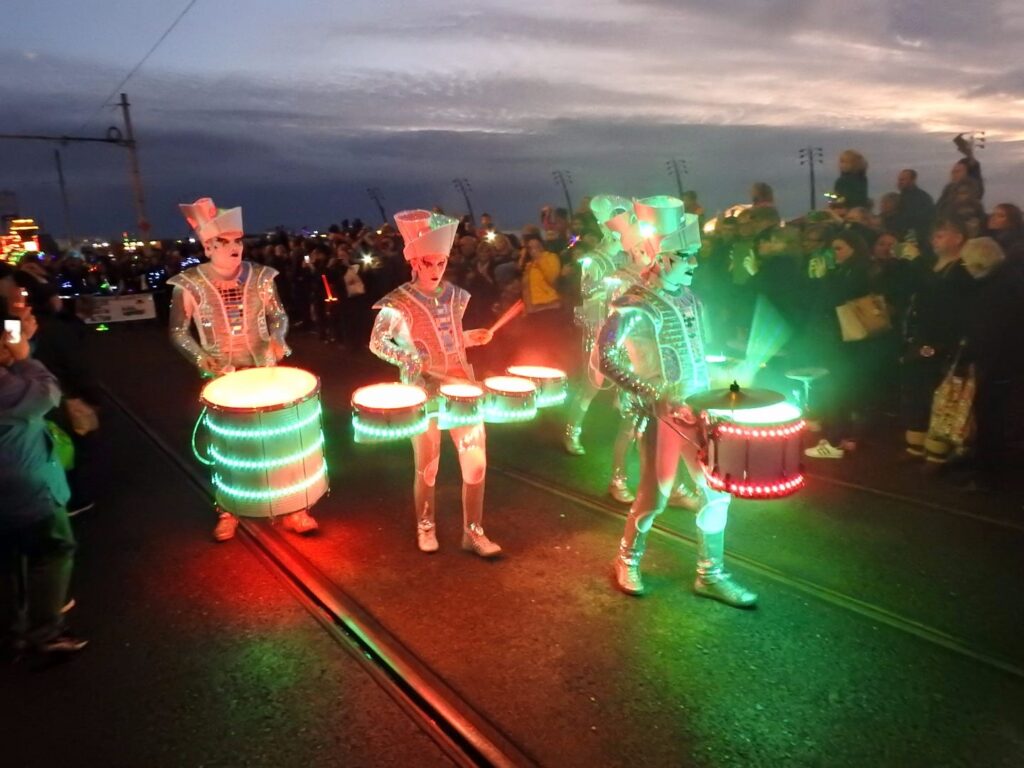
(419,330)
(652,346)
(236,312)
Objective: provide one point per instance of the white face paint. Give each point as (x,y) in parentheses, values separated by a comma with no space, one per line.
(429,271)
(677,269)
(225,252)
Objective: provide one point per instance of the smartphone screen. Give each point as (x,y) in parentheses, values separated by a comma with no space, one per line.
(13,330)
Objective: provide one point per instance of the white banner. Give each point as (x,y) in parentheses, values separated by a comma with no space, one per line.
(115,309)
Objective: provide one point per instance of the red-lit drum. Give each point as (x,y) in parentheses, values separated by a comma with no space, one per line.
(382,413)
(509,399)
(266,440)
(754,453)
(461,405)
(552,383)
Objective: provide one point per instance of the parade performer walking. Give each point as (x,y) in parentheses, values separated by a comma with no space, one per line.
(237,314)
(652,346)
(419,330)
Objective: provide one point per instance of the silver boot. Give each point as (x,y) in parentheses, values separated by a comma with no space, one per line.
(712,580)
(683,498)
(473,537)
(426,531)
(618,489)
(627,564)
(571,440)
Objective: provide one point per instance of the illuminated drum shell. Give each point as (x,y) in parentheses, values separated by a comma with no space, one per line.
(509,399)
(266,441)
(755,453)
(552,383)
(462,405)
(383,413)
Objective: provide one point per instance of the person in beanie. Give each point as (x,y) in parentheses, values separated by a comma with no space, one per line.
(237,314)
(419,330)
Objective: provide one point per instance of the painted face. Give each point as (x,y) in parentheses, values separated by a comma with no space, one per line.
(429,271)
(677,268)
(225,252)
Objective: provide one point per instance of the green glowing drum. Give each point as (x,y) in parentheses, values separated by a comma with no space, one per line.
(509,399)
(754,453)
(552,383)
(266,440)
(461,405)
(382,413)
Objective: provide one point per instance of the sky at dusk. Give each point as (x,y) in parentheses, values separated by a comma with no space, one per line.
(292,109)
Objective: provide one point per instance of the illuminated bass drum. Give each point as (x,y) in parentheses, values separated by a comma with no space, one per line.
(266,441)
(755,453)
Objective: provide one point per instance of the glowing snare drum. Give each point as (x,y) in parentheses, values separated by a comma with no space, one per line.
(266,440)
(385,412)
(551,383)
(509,398)
(461,405)
(755,453)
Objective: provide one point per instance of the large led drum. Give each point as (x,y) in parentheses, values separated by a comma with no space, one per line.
(266,441)
(382,413)
(755,453)
(552,383)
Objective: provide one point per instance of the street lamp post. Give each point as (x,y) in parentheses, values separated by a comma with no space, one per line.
(564,178)
(465,188)
(677,166)
(809,156)
(375,195)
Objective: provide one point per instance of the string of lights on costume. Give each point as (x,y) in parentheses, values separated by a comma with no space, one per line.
(652,346)
(419,330)
(237,314)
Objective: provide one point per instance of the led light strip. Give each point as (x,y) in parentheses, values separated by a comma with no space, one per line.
(762,432)
(275,493)
(258,464)
(546,401)
(369,430)
(756,490)
(257,433)
(499,414)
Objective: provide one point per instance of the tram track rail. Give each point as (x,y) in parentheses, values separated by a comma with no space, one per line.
(818,592)
(464,734)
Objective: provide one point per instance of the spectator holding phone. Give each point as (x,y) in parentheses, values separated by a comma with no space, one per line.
(35,533)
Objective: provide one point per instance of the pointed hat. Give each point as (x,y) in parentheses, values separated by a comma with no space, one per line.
(208,221)
(426,233)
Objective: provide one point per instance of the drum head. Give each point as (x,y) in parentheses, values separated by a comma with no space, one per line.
(258,389)
(461,390)
(389,397)
(535,372)
(510,385)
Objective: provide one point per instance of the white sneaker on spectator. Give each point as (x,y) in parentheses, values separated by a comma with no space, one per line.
(824,450)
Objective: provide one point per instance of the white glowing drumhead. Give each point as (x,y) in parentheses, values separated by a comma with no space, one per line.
(779,413)
(461,390)
(510,385)
(259,388)
(535,372)
(390,396)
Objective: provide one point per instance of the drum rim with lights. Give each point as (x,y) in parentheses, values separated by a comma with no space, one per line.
(460,409)
(552,383)
(268,458)
(398,423)
(497,401)
(766,440)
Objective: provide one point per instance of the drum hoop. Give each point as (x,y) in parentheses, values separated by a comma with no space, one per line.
(463,398)
(315,392)
(360,408)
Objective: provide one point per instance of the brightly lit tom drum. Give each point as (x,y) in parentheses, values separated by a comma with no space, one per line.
(266,440)
(509,399)
(382,413)
(461,405)
(754,453)
(552,383)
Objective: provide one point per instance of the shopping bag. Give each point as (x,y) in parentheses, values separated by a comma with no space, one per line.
(63,448)
(850,325)
(951,425)
(873,313)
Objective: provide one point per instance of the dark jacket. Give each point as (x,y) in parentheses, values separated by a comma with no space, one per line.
(916,211)
(994,326)
(32,482)
(937,309)
(853,188)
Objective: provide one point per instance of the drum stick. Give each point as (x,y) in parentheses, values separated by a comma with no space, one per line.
(510,314)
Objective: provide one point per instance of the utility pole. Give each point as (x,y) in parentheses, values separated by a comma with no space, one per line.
(674,166)
(133,162)
(465,188)
(809,156)
(376,196)
(68,234)
(564,179)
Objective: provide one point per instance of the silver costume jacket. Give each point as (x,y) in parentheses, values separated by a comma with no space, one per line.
(421,333)
(235,325)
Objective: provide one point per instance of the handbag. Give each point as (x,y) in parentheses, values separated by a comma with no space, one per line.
(951,424)
(63,448)
(850,325)
(873,313)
